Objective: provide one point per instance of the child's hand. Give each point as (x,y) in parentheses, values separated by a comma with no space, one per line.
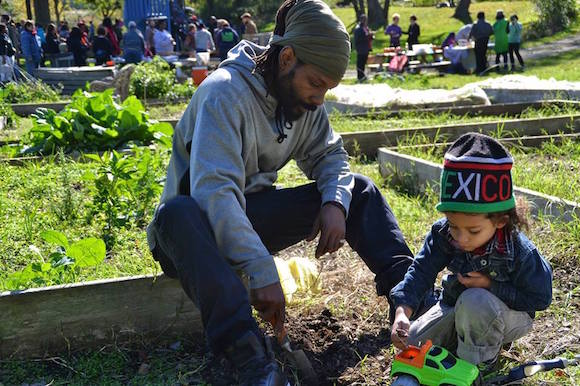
(400,327)
(475,280)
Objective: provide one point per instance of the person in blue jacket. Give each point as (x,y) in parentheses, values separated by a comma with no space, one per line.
(30,48)
(498,278)
(227,38)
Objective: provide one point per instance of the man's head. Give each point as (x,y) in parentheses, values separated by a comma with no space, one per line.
(499,15)
(101,31)
(480,16)
(5,19)
(246,17)
(3,29)
(308,55)
(363,19)
(413,19)
(132,25)
(29,25)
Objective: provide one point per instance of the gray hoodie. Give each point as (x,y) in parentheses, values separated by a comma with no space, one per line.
(226,145)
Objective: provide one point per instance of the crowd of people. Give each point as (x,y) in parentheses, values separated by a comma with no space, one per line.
(111,40)
(507,39)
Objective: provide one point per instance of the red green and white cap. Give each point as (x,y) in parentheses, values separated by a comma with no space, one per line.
(476,176)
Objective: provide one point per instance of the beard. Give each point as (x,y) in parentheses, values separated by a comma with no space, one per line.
(292,107)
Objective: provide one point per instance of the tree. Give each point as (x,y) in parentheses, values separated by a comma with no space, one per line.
(59,7)
(462,12)
(105,7)
(376,14)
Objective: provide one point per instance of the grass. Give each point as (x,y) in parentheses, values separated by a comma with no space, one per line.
(551,169)
(561,67)
(351,298)
(436,23)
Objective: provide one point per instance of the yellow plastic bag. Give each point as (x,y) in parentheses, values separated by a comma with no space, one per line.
(297,274)
(287,281)
(305,274)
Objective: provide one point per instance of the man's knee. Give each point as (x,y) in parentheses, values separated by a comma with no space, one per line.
(363,183)
(172,212)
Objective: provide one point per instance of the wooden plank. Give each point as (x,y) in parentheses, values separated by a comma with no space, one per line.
(506,109)
(421,172)
(367,142)
(38,322)
(526,141)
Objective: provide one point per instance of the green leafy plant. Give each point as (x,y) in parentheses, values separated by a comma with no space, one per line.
(94,121)
(29,91)
(152,80)
(126,188)
(61,266)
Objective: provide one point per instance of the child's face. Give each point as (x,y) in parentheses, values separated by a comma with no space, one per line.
(472,231)
(395,20)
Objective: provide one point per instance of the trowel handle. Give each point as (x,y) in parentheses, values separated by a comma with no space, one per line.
(282,335)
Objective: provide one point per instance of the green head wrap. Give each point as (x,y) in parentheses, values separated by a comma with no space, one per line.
(317,36)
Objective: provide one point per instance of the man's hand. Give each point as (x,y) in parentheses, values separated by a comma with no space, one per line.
(475,280)
(270,304)
(400,327)
(331,224)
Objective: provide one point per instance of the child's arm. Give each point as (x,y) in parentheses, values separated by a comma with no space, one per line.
(421,274)
(531,286)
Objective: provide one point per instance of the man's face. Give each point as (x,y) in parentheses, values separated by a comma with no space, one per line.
(300,88)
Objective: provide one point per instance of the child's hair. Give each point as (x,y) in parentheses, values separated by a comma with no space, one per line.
(396,16)
(413,17)
(517,217)
(514,17)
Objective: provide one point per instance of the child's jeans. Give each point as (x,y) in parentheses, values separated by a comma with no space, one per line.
(477,326)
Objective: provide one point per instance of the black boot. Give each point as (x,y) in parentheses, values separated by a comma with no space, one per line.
(253,358)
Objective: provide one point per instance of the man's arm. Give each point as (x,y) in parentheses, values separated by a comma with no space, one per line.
(322,158)
(217,181)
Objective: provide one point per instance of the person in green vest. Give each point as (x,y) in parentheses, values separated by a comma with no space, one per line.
(500,31)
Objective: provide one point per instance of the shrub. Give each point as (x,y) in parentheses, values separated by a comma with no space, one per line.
(27,92)
(555,15)
(152,80)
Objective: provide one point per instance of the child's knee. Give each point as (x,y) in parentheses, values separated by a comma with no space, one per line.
(477,305)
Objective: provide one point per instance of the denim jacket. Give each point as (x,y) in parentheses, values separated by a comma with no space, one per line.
(520,277)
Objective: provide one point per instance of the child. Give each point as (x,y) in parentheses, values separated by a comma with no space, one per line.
(498,278)
(394,31)
(514,41)
(414,32)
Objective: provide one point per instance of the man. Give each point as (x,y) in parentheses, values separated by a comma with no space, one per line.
(362,43)
(480,32)
(248,26)
(162,39)
(13,34)
(203,40)
(226,39)
(133,44)
(30,47)
(220,214)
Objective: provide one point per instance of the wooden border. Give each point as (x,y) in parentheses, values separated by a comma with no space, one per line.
(507,109)
(423,172)
(367,142)
(40,321)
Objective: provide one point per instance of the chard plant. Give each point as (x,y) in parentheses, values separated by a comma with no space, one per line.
(94,122)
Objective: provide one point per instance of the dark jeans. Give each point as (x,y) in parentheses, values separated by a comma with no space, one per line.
(504,54)
(186,248)
(361,61)
(481,54)
(515,48)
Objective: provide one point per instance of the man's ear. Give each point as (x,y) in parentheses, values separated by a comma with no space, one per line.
(286,60)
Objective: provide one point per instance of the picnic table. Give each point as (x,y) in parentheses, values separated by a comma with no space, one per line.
(417,58)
